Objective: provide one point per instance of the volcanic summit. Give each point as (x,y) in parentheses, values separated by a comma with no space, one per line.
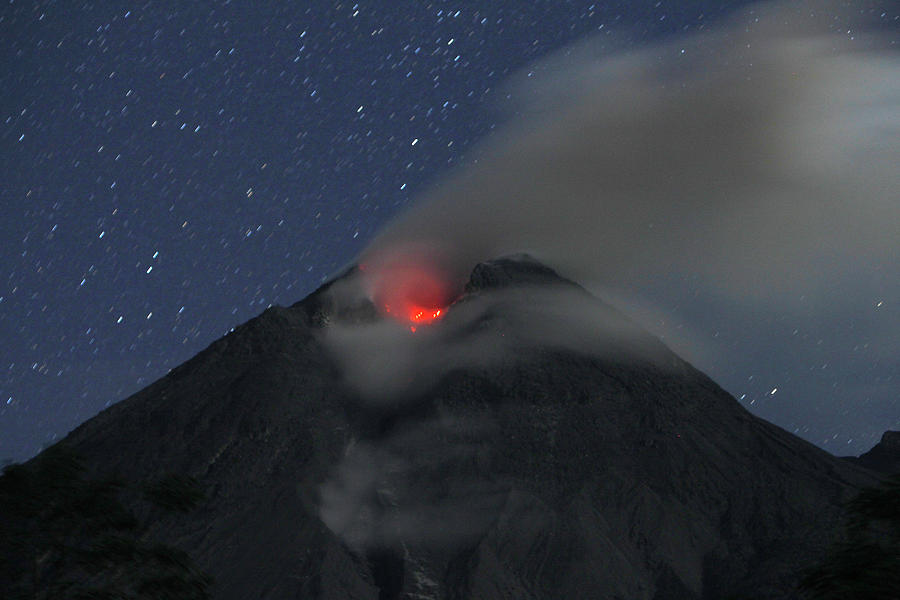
(532,442)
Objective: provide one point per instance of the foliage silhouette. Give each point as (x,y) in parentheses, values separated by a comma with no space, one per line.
(67,535)
(865,565)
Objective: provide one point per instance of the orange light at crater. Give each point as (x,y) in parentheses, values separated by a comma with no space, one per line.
(419,315)
(423,315)
(409,288)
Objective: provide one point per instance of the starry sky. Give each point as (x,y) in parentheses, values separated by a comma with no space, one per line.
(168,170)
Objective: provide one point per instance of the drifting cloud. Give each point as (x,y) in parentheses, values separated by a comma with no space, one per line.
(757,162)
(761,160)
(405,488)
(387,363)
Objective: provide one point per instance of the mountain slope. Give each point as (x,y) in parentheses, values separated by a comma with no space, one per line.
(575,457)
(883,457)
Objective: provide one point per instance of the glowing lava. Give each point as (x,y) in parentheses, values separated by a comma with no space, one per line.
(416,314)
(409,288)
(424,315)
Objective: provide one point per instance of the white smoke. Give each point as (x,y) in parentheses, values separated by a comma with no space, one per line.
(761,160)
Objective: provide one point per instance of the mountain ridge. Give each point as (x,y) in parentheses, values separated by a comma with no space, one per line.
(551,472)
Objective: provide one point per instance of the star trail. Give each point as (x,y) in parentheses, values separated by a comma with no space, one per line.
(170,170)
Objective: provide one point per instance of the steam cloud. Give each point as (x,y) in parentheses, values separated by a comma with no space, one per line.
(387,364)
(760,163)
(761,160)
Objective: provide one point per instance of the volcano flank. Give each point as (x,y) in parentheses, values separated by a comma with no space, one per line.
(532,442)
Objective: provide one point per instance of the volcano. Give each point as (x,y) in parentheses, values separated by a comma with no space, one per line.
(529,452)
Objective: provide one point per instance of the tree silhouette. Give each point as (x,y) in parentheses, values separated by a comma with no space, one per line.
(65,535)
(865,565)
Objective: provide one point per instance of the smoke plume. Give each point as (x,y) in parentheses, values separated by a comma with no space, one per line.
(757,162)
(760,160)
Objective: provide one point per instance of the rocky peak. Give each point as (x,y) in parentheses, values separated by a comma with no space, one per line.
(565,471)
(884,457)
(513,270)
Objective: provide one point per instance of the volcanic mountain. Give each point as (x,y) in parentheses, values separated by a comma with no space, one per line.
(531,443)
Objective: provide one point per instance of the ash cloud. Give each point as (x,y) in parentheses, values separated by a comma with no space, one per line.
(752,166)
(404,488)
(387,364)
(410,477)
(759,159)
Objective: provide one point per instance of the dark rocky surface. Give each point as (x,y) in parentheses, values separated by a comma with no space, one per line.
(549,472)
(884,456)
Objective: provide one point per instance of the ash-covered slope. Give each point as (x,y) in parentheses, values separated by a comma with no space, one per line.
(527,451)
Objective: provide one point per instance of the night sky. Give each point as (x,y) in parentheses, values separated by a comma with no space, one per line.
(171,169)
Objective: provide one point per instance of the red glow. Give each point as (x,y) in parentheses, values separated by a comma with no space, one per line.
(408,288)
(414,313)
(418,314)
